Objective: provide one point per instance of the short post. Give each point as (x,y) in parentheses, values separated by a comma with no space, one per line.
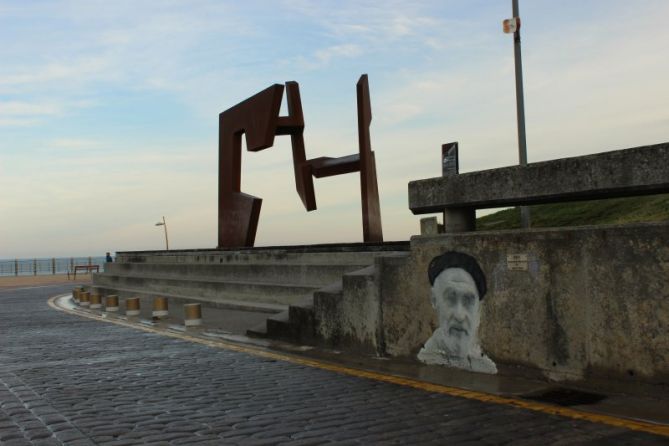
(84,298)
(461,219)
(159,307)
(96,303)
(429,226)
(132,306)
(111,303)
(16,267)
(75,295)
(90,262)
(53,265)
(34,267)
(192,315)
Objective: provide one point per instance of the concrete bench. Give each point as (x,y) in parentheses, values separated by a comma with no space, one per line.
(620,173)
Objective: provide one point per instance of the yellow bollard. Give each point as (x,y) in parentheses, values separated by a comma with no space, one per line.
(111,303)
(84,298)
(159,307)
(132,306)
(96,301)
(192,315)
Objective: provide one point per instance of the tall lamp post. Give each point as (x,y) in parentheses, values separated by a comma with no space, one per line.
(164,225)
(513,26)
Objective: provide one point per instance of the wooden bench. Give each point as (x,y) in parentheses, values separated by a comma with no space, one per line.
(620,173)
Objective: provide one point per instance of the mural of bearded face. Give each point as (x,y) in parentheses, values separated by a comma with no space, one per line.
(458,286)
(456,300)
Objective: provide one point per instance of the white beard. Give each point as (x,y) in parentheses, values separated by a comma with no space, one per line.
(463,353)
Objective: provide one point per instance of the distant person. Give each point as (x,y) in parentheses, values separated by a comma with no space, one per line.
(109,259)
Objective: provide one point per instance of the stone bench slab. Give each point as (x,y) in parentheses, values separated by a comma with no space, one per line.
(621,173)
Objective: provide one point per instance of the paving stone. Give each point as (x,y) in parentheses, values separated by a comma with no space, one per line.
(69,435)
(13,434)
(17,442)
(38,434)
(304,442)
(46,442)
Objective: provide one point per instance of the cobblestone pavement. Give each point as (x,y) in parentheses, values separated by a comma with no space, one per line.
(73,381)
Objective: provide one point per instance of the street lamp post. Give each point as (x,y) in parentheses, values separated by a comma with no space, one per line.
(520,103)
(164,225)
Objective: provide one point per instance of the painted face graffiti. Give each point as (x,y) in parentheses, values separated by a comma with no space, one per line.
(456,299)
(456,295)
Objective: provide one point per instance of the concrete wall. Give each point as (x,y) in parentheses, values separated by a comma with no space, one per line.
(592,302)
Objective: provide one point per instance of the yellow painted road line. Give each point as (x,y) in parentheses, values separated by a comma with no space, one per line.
(657,429)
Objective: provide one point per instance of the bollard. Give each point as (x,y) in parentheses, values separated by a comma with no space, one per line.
(159,307)
(84,298)
(95,301)
(132,306)
(75,295)
(111,303)
(192,315)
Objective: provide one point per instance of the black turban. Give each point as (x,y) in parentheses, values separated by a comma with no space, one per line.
(453,259)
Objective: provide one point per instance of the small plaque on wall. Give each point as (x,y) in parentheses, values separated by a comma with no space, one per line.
(517,262)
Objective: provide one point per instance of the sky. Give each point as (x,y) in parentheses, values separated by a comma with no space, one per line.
(109,110)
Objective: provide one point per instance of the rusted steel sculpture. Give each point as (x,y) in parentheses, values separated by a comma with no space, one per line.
(258,118)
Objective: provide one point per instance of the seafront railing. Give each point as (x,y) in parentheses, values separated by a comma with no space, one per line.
(43,266)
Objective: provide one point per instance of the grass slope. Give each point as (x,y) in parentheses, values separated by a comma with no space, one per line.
(613,211)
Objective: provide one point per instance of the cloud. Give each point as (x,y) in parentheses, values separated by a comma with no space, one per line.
(24,113)
(17,122)
(345,50)
(74,143)
(26,108)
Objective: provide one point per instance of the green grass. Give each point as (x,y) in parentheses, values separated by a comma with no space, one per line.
(612,211)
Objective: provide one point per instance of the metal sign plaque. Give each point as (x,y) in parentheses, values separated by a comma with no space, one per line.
(449,159)
(517,262)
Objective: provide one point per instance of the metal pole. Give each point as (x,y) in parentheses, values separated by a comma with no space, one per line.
(16,267)
(167,244)
(53,265)
(520,109)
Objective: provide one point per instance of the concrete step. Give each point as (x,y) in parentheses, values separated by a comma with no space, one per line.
(279,293)
(349,311)
(259,331)
(223,304)
(328,298)
(303,274)
(296,325)
(323,254)
(280,327)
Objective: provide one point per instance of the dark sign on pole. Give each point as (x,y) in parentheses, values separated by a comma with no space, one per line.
(449,159)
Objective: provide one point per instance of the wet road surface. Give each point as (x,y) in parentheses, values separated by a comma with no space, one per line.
(66,380)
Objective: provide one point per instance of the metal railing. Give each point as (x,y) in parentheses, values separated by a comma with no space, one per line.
(54,265)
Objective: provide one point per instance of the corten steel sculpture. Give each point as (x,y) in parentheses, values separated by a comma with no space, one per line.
(258,118)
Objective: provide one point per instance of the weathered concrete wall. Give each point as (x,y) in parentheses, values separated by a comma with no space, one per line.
(593,302)
(347,314)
